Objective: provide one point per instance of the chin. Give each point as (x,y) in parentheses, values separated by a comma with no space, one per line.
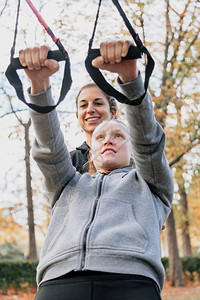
(110,166)
(91,128)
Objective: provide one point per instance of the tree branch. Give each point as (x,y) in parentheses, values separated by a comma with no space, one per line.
(167,43)
(1,12)
(182,34)
(178,158)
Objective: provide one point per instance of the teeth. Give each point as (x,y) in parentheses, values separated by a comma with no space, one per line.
(108,150)
(92,119)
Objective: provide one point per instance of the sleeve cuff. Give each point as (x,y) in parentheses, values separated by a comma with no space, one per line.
(134,89)
(42,99)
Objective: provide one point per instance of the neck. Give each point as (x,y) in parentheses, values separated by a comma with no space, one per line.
(89,139)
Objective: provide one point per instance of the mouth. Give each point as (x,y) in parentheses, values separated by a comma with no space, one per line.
(108,150)
(92,119)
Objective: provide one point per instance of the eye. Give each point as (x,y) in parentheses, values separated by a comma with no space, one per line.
(99,137)
(83,105)
(119,135)
(98,103)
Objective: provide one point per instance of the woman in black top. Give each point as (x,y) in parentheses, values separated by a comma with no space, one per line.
(92,107)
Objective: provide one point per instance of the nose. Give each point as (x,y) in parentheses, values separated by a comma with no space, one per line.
(90,108)
(108,141)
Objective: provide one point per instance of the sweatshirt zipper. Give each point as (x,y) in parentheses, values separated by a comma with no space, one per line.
(89,224)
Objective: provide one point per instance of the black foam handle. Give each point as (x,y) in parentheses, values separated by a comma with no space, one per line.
(133,53)
(57,55)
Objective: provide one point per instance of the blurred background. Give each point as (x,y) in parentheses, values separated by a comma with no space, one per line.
(170,31)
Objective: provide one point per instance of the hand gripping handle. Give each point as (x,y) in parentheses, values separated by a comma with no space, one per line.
(99,79)
(15,81)
(133,53)
(56,55)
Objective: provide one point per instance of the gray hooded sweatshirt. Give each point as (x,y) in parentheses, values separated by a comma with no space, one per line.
(105,222)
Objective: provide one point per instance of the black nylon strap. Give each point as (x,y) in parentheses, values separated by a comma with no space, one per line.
(97,76)
(143,49)
(15,81)
(59,55)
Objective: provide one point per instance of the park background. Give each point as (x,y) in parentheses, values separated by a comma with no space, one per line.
(170,31)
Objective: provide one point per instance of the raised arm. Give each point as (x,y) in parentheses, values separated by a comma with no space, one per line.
(147,136)
(49,149)
(148,141)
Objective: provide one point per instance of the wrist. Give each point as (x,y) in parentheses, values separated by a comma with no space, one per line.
(39,86)
(129,77)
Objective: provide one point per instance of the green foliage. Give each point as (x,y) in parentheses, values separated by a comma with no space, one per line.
(191,267)
(165,262)
(16,273)
(190,264)
(9,251)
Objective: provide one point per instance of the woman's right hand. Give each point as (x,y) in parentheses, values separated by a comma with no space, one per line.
(112,53)
(39,68)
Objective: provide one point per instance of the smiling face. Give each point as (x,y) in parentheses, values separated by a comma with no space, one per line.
(92,109)
(111,147)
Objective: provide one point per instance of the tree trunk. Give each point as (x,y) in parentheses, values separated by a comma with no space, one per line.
(31,225)
(187,249)
(175,265)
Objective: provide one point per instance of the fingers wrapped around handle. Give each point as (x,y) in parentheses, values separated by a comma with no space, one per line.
(56,55)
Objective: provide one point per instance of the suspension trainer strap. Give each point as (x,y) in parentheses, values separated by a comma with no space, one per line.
(59,55)
(133,53)
(15,81)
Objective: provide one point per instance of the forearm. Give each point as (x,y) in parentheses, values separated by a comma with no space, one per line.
(49,149)
(148,141)
(130,73)
(39,86)
(132,89)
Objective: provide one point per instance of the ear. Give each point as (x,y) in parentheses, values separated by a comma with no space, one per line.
(113,113)
(132,160)
(90,153)
(77,114)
